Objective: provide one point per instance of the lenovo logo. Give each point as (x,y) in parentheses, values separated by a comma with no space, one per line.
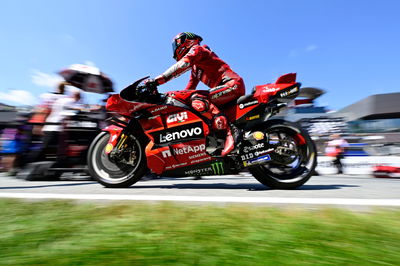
(179,133)
(183,134)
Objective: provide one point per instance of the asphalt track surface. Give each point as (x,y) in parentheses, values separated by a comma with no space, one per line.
(349,191)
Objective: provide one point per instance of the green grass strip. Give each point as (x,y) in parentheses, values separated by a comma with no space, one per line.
(65,233)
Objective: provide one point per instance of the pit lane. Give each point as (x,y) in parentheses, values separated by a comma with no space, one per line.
(332,190)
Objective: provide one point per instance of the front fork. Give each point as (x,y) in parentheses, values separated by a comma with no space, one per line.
(115,136)
(119,140)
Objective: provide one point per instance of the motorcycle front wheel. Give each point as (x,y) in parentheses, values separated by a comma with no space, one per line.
(114,174)
(296,160)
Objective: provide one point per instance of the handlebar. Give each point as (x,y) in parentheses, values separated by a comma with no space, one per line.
(140,91)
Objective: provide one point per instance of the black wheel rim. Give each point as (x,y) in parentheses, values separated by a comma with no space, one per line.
(299,165)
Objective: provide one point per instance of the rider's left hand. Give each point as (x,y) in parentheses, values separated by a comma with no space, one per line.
(151,83)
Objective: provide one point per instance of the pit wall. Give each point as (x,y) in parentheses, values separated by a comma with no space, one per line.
(362,165)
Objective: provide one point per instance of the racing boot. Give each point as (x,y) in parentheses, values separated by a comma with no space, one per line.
(229,143)
(220,122)
(232,138)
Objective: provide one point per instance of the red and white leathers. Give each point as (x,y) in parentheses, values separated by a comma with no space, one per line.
(225,85)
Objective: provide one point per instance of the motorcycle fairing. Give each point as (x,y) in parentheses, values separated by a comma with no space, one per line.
(177,138)
(252,108)
(284,89)
(116,104)
(211,167)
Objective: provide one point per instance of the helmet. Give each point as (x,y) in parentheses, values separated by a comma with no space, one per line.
(182,43)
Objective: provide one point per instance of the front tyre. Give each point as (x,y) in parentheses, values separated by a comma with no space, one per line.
(115,174)
(294,160)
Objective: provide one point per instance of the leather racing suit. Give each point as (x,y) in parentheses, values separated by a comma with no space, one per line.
(226,86)
(208,68)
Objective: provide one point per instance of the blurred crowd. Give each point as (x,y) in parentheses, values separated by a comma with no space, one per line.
(49,131)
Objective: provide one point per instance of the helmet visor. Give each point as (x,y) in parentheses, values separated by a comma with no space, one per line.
(174,47)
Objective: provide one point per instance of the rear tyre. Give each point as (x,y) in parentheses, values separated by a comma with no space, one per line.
(287,172)
(116,174)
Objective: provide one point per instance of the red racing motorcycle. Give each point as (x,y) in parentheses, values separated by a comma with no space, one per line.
(161,134)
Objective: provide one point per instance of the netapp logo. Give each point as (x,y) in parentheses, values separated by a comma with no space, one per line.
(191,131)
(184,150)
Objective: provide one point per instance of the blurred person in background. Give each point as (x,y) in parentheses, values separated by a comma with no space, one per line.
(14,143)
(11,146)
(42,111)
(52,131)
(335,148)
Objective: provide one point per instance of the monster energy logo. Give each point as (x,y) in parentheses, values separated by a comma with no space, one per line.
(190,35)
(218,168)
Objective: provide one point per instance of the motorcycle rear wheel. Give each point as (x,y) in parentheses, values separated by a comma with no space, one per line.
(299,168)
(111,174)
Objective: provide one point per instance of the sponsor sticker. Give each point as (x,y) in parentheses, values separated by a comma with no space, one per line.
(245,105)
(185,150)
(199,171)
(218,168)
(197,155)
(201,160)
(219,94)
(178,117)
(252,117)
(247,149)
(257,160)
(267,90)
(166,153)
(289,92)
(159,109)
(258,153)
(175,166)
(179,133)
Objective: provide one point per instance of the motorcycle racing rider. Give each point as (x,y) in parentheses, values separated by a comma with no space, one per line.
(226,86)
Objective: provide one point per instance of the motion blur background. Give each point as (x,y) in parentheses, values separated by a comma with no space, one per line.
(345,53)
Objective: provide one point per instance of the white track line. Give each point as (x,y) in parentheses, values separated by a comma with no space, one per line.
(276,200)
